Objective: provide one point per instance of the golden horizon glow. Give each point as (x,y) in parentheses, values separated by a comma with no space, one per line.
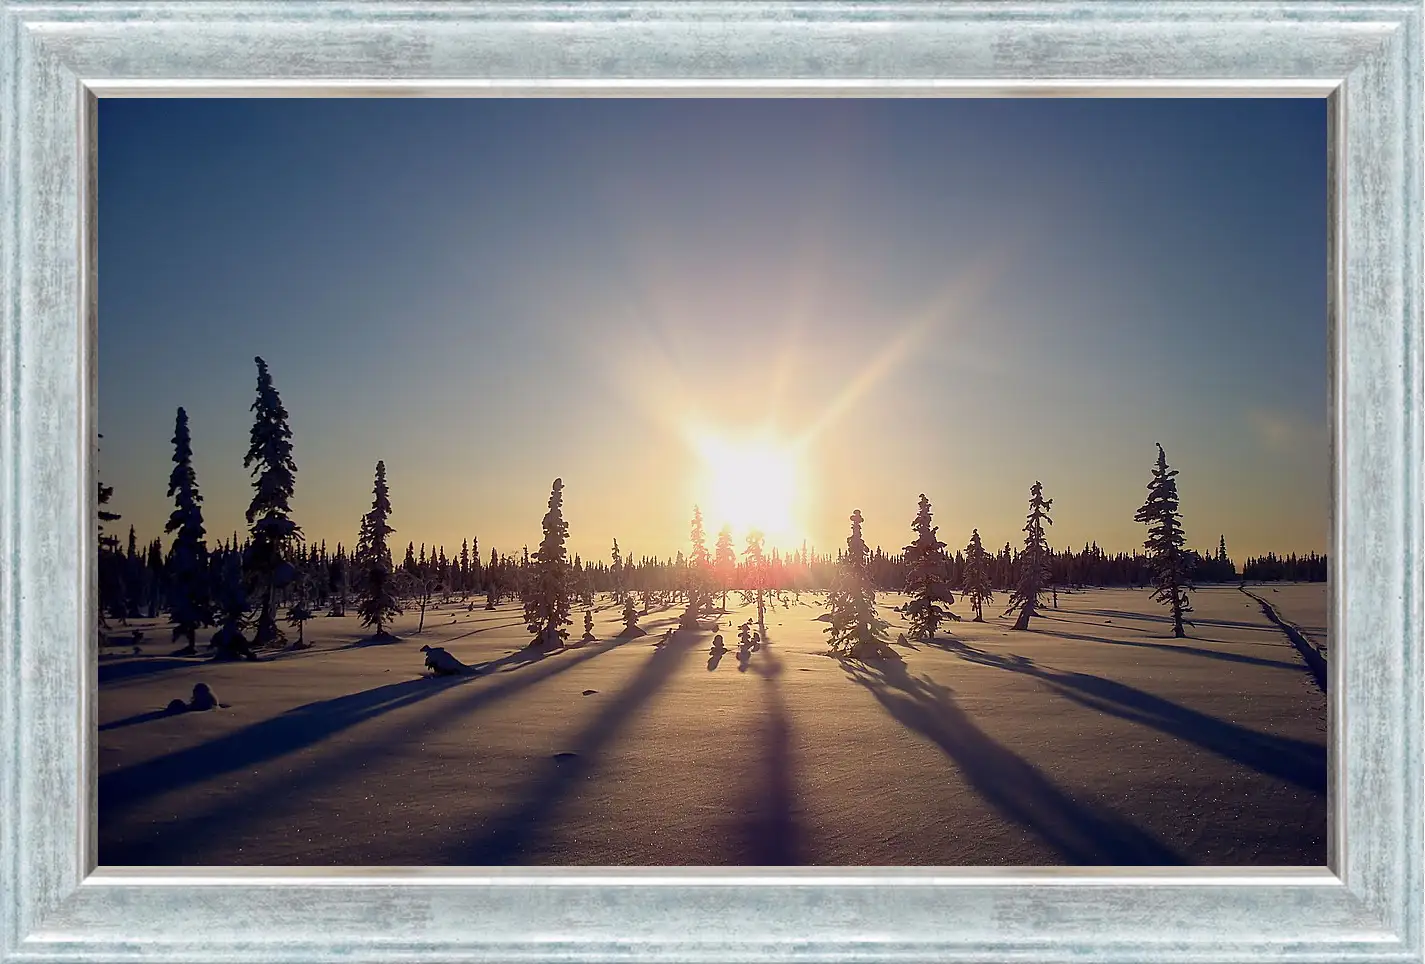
(751,484)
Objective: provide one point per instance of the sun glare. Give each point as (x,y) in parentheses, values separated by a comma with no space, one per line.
(749,485)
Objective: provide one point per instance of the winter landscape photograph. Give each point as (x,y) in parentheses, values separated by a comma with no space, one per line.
(835,482)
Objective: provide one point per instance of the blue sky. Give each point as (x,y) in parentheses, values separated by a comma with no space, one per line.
(962,296)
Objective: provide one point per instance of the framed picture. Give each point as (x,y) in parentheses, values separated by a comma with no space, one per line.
(518,414)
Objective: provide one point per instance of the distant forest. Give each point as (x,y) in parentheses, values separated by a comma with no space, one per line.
(132,578)
(270,572)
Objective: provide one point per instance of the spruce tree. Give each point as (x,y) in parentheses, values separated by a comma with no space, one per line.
(188,598)
(925,578)
(725,562)
(375,576)
(549,591)
(230,595)
(274,534)
(157,576)
(110,577)
(856,631)
(630,618)
(493,575)
(756,581)
(699,566)
(1170,563)
(588,624)
(133,577)
(978,580)
(617,573)
(1033,575)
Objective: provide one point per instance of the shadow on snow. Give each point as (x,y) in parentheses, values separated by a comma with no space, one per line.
(297,729)
(1294,761)
(1082,833)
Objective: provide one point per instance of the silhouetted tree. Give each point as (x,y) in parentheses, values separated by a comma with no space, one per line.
(273,532)
(111,581)
(630,618)
(725,562)
(1171,565)
(297,615)
(925,577)
(188,598)
(757,580)
(376,597)
(698,572)
(588,624)
(618,571)
(1033,561)
(547,601)
(977,580)
(856,631)
(231,598)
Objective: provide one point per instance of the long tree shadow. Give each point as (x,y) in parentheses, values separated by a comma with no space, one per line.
(1298,667)
(137,666)
(135,719)
(1082,833)
(1295,761)
(513,832)
(772,835)
(1167,620)
(121,790)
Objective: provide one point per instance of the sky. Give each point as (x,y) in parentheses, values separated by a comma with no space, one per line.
(781,310)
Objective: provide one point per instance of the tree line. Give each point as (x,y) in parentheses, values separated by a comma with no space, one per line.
(249,586)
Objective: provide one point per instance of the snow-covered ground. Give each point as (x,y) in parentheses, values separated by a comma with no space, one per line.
(1095,738)
(1303,604)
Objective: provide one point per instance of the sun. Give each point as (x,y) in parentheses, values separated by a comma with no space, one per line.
(749,484)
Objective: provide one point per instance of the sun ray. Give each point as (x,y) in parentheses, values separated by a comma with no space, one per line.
(954,299)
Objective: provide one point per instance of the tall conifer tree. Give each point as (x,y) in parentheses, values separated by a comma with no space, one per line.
(699,567)
(189,601)
(274,534)
(1170,562)
(925,577)
(376,599)
(1033,575)
(757,579)
(856,631)
(549,591)
(725,562)
(978,580)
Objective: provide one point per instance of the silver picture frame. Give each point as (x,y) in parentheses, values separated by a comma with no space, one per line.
(59,56)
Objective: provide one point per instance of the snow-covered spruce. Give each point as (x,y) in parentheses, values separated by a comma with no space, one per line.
(925,578)
(630,618)
(855,631)
(725,562)
(376,598)
(757,578)
(548,591)
(1033,562)
(274,534)
(589,625)
(977,580)
(1171,564)
(699,572)
(616,573)
(442,663)
(189,601)
(230,598)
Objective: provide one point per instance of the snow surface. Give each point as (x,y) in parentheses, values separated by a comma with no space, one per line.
(1093,738)
(1303,604)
